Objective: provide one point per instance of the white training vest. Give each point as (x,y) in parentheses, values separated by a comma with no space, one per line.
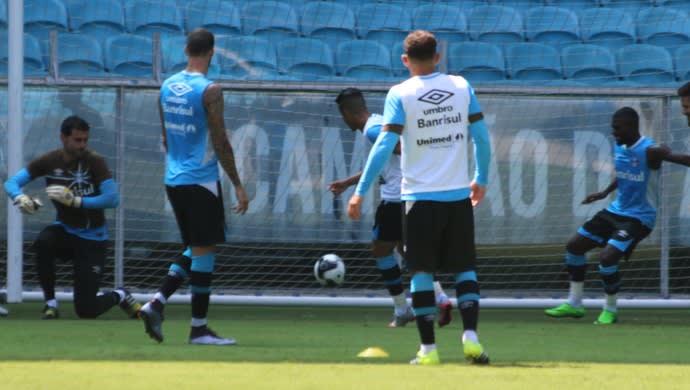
(391,176)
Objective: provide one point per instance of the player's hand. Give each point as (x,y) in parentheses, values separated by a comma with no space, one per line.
(27,204)
(594,197)
(354,207)
(63,195)
(337,187)
(242,199)
(477,194)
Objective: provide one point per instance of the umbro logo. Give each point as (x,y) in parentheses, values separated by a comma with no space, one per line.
(180,89)
(435,96)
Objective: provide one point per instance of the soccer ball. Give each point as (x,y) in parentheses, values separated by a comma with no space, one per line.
(329,270)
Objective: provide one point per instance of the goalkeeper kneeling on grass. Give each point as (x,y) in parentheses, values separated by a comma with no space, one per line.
(80,185)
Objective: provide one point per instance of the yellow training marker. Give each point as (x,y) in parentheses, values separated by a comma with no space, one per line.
(373,352)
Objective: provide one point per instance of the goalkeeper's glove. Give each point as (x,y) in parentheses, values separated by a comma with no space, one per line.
(63,195)
(27,204)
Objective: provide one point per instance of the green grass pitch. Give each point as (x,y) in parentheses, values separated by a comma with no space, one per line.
(316,348)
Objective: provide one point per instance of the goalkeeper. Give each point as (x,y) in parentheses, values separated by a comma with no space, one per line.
(80,185)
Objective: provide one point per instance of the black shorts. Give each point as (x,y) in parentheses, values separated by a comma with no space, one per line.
(439,236)
(607,228)
(388,222)
(199,214)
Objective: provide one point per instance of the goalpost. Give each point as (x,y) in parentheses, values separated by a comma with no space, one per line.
(551,147)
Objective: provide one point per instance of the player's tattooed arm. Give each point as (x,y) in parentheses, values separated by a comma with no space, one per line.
(164,139)
(213,102)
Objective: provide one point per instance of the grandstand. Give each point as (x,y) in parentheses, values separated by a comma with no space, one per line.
(549,73)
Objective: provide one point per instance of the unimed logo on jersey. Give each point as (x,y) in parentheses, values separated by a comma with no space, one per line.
(180,89)
(435,97)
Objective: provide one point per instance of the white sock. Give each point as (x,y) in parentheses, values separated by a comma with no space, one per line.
(159,297)
(120,293)
(197,322)
(611,303)
(576,291)
(441,296)
(426,348)
(52,303)
(400,303)
(470,335)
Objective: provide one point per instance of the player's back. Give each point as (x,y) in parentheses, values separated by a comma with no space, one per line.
(190,156)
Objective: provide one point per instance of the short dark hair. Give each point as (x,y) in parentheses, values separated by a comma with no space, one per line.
(73,122)
(199,42)
(351,99)
(420,45)
(627,114)
(684,91)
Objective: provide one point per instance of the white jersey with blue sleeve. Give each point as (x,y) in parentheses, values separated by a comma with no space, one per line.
(632,178)
(391,176)
(434,111)
(190,155)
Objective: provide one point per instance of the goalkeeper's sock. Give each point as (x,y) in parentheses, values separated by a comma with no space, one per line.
(198,322)
(426,348)
(400,303)
(52,303)
(611,303)
(470,335)
(441,296)
(158,301)
(576,293)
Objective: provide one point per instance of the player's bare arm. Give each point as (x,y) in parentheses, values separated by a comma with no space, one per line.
(657,154)
(478,192)
(593,197)
(395,129)
(164,138)
(213,102)
(338,186)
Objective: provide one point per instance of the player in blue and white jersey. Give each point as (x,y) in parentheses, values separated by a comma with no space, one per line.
(433,116)
(195,141)
(387,230)
(622,224)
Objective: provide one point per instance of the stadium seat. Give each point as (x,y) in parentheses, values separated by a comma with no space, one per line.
(495,24)
(3,14)
(79,55)
(533,62)
(632,7)
(681,60)
(555,26)
(129,55)
(43,16)
(664,27)
(519,5)
(218,16)
(681,5)
(397,67)
(330,22)
(305,58)
(100,20)
(364,60)
(271,20)
(574,5)
(147,17)
(33,59)
(384,23)
(588,63)
(247,57)
(608,27)
(445,21)
(645,64)
(174,60)
(476,61)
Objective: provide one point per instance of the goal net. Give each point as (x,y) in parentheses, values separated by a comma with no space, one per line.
(551,147)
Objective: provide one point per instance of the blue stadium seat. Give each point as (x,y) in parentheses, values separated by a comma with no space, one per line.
(681,60)
(478,62)
(519,5)
(272,20)
(608,27)
(129,55)
(79,55)
(384,23)
(632,7)
(218,16)
(397,67)
(100,20)
(682,5)
(305,58)
(533,61)
(147,17)
(574,5)
(495,24)
(445,21)
(33,58)
(364,60)
(3,14)
(664,26)
(645,64)
(555,26)
(247,57)
(43,16)
(174,60)
(330,22)
(588,63)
